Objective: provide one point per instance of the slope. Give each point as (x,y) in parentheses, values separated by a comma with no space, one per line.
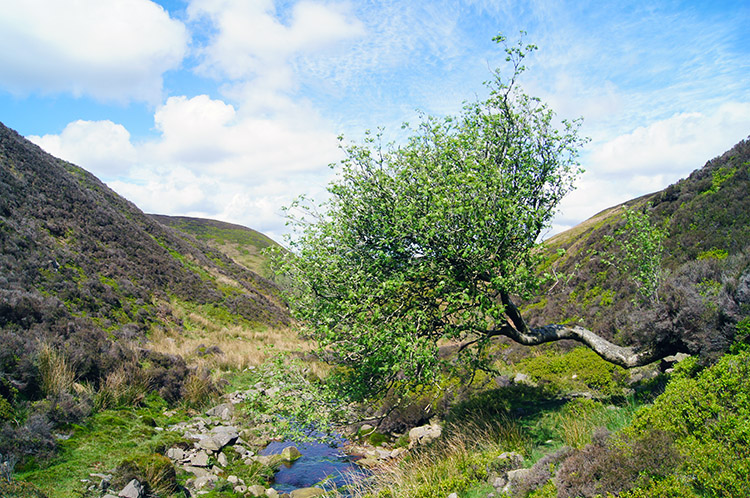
(80,267)
(705,285)
(243,245)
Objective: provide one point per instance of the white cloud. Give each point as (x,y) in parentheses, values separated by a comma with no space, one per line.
(209,160)
(650,158)
(252,44)
(673,146)
(210,136)
(102,146)
(110,50)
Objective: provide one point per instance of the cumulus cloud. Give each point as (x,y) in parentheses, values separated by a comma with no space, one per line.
(210,160)
(651,158)
(673,146)
(102,146)
(211,136)
(114,50)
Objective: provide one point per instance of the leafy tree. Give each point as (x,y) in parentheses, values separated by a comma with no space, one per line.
(429,241)
(641,244)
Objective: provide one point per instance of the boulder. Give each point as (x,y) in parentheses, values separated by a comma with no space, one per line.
(199,459)
(207,481)
(219,437)
(256,490)
(175,453)
(307,493)
(290,454)
(223,411)
(133,489)
(196,471)
(424,434)
(515,478)
(510,459)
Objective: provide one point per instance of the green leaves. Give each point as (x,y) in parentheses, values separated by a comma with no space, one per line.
(418,241)
(641,244)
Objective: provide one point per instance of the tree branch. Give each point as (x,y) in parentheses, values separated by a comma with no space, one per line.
(626,357)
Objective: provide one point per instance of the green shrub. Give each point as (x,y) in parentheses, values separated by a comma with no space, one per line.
(670,487)
(581,368)
(709,414)
(741,337)
(20,489)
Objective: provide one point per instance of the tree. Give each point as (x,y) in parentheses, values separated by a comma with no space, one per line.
(641,244)
(431,240)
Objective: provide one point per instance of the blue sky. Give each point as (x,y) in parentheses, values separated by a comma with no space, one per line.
(230,109)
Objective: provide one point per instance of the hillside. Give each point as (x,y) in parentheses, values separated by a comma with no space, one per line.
(82,268)
(243,245)
(705,288)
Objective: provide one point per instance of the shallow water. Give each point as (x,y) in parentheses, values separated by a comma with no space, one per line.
(318,462)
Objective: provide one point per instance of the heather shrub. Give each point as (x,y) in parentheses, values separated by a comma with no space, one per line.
(541,472)
(32,439)
(616,464)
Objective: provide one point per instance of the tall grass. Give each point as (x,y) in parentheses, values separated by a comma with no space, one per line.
(460,461)
(239,346)
(123,387)
(56,372)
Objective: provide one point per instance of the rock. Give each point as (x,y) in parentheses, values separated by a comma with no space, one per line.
(207,481)
(222,459)
(219,437)
(199,459)
(261,459)
(424,434)
(510,459)
(233,479)
(515,477)
(522,378)
(256,490)
(223,411)
(366,428)
(272,493)
(397,452)
(307,493)
(196,471)
(109,496)
(175,453)
(453,495)
(290,454)
(368,462)
(499,482)
(132,490)
(240,488)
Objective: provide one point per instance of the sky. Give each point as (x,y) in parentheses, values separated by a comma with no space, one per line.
(231,109)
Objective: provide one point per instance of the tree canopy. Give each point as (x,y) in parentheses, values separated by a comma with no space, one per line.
(430,240)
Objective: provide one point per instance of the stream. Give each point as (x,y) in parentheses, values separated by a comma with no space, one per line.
(318,462)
